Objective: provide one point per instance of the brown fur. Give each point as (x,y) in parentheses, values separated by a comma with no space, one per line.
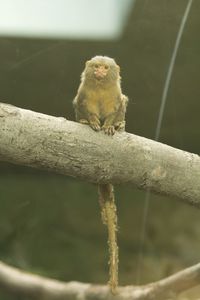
(100,102)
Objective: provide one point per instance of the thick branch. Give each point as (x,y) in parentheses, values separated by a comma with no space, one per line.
(15,281)
(37,140)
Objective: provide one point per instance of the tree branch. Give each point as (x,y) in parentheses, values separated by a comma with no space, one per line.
(46,142)
(15,281)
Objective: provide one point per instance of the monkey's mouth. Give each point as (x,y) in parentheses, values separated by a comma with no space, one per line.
(100,74)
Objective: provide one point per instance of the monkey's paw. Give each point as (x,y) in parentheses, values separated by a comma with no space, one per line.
(95,126)
(120,126)
(109,129)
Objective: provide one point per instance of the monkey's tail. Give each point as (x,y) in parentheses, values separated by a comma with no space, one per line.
(109,218)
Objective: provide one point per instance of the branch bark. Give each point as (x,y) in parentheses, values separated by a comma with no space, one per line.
(15,281)
(46,142)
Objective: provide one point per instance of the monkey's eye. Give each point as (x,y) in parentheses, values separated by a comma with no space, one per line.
(106,67)
(96,66)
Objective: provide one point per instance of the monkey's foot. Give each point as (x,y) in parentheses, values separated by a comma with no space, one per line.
(108,129)
(83,121)
(120,126)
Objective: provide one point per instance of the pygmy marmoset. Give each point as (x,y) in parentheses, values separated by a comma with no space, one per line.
(101,104)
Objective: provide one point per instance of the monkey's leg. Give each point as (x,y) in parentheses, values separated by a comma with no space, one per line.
(109,218)
(119,121)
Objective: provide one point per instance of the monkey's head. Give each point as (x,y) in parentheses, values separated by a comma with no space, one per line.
(101,69)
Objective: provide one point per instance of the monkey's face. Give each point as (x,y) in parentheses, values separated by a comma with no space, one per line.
(102,69)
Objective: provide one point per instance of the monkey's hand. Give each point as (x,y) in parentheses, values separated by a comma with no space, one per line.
(94,123)
(111,129)
(108,129)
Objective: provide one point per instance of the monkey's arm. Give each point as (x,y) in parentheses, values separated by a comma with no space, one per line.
(86,114)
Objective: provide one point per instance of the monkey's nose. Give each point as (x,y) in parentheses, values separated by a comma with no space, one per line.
(100,72)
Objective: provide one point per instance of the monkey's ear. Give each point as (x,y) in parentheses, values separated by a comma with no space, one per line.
(87,63)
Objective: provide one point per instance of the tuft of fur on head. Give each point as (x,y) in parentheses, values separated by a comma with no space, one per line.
(103,59)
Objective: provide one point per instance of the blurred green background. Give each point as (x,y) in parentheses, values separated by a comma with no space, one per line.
(50,224)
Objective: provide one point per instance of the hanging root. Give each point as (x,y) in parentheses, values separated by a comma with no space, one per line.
(109,218)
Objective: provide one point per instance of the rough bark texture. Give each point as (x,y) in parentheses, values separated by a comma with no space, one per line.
(41,141)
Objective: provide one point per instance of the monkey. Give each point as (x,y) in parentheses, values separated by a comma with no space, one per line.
(100,104)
